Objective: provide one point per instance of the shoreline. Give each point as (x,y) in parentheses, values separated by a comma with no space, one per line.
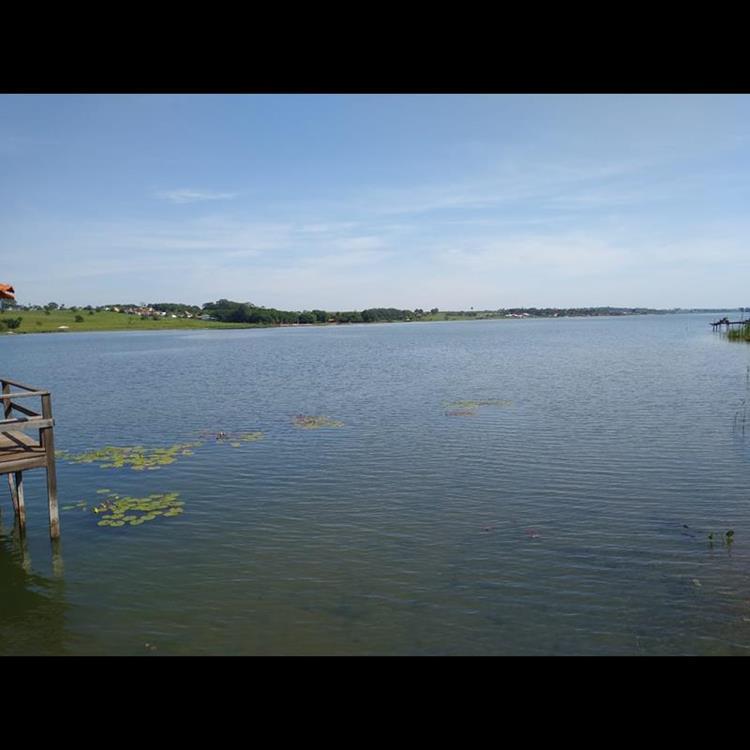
(158,326)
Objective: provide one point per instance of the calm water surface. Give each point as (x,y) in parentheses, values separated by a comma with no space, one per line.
(573,520)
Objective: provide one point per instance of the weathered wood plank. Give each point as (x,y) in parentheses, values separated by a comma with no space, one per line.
(17,384)
(19,451)
(14,437)
(24,425)
(7,404)
(47,439)
(23,410)
(16,394)
(37,461)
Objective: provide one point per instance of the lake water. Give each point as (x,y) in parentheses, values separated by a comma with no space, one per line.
(572,520)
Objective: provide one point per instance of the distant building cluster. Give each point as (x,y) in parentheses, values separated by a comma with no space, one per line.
(152,312)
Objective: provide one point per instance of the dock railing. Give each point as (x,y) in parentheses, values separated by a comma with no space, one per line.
(19,451)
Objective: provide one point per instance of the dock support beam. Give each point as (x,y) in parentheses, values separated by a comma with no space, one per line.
(47,440)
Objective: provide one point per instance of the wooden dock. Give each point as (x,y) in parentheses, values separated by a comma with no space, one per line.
(20,451)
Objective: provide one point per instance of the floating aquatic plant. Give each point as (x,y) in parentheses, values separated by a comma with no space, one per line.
(137,457)
(726,538)
(80,505)
(235,439)
(118,511)
(314,423)
(469,408)
(477,404)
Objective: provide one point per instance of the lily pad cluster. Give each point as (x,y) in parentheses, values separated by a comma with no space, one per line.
(306,422)
(134,511)
(136,457)
(469,408)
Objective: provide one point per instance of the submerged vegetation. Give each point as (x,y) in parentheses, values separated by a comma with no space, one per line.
(477,404)
(739,334)
(235,439)
(726,539)
(80,505)
(740,415)
(314,423)
(469,408)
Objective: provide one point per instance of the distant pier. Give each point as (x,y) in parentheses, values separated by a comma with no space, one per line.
(726,322)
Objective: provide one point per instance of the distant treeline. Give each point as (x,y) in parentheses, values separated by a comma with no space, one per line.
(173,307)
(557,312)
(228,311)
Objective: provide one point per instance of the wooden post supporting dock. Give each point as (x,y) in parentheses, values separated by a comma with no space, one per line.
(19,451)
(47,441)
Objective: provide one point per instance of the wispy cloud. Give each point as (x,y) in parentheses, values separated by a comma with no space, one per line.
(574,254)
(19,145)
(187,195)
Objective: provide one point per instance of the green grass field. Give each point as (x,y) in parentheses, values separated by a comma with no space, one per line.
(38,322)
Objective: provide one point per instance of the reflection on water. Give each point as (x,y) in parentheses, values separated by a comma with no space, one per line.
(32,607)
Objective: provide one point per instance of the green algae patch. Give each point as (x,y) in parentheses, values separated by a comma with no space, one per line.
(306,422)
(133,511)
(135,457)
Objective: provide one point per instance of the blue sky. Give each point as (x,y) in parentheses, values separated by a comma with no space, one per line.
(348,202)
